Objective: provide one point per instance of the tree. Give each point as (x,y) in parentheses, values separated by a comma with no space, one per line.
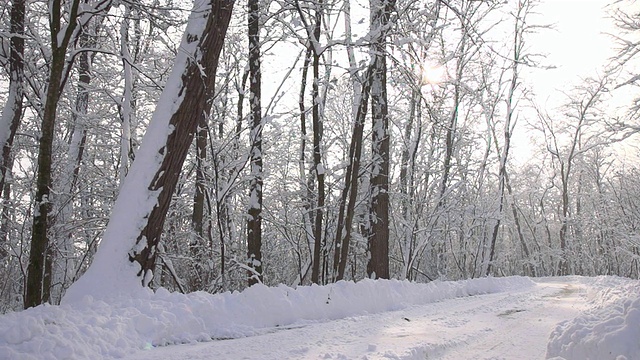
(12,112)
(349,193)
(62,35)
(378,226)
(313,53)
(523,9)
(126,257)
(62,256)
(254,221)
(566,143)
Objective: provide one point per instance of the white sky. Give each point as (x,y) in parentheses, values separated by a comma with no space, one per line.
(578,45)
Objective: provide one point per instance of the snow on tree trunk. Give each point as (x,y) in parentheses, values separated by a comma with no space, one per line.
(378,226)
(254,221)
(126,257)
(126,108)
(12,112)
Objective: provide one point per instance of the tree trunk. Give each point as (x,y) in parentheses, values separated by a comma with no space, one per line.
(352,175)
(126,257)
(378,228)
(254,222)
(12,112)
(64,264)
(198,243)
(305,190)
(314,50)
(38,271)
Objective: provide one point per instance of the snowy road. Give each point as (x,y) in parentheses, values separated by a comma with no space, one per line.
(507,325)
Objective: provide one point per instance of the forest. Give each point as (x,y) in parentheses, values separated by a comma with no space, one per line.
(212,145)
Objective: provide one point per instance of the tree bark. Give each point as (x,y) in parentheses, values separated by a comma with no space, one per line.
(378,227)
(12,112)
(198,90)
(38,270)
(254,222)
(126,257)
(350,190)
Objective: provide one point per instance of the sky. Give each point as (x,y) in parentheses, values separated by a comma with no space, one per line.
(578,45)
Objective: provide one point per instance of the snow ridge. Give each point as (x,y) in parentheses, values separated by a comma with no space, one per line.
(94,329)
(611,330)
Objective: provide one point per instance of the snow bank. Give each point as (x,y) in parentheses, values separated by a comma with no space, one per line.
(611,330)
(93,329)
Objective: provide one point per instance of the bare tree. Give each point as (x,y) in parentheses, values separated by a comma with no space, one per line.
(582,113)
(313,54)
(133,238)
(64,30)
(518,58)
(254,225)
(378,221)
(12,112)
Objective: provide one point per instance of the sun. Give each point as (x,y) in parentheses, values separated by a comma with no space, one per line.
(432,73)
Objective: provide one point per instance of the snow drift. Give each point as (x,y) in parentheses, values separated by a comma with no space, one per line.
(93,329)
(611,330)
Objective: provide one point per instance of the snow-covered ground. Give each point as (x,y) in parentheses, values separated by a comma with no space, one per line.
(491,318)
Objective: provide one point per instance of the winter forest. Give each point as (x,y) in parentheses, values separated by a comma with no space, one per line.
(211,145)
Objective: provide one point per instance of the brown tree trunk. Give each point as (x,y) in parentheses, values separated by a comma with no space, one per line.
(198,82)
(197,244)
(350,190)
(39,268)
(254,222)
(378,228)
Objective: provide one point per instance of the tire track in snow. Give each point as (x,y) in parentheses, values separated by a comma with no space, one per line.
(509,325)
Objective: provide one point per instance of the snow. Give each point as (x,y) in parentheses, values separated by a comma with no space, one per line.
(605,332)
(488,318)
